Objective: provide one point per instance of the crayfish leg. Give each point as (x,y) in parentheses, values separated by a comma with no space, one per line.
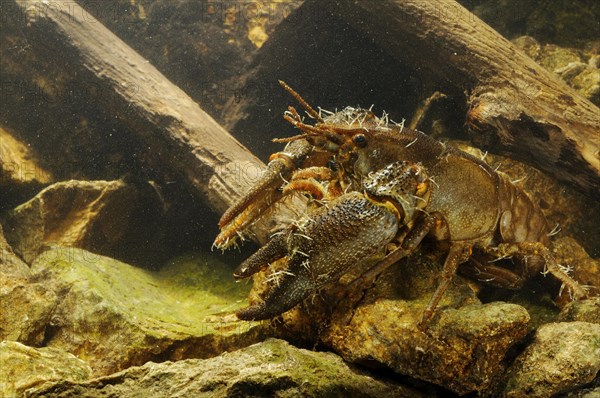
(318,181)
(459,253)
(492,274)
(551,265)
(363,281)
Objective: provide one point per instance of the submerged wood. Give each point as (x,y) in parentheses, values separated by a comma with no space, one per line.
(180,137)
(515,106)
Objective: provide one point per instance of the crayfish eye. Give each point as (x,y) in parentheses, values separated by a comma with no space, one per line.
(360,140)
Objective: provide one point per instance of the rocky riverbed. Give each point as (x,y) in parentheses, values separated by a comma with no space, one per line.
(78,323)
(109,287)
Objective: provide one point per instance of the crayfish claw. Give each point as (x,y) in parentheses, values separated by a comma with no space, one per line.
(282,297)
(270,252)
(242,214)
(352,230)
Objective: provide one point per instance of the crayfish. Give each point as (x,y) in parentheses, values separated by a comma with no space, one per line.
(377,190)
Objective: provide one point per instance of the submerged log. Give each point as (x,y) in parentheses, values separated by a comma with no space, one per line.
(515,106)
(179,137)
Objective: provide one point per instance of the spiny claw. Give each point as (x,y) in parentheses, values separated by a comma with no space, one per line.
(238,218)
(285,296)
(351,230)
(274,250)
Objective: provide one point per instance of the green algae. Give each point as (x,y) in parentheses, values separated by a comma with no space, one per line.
(181,296)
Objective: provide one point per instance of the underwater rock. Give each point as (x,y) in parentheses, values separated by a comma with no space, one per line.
(25,367)
(115,315)
(583,77)
(25,309)
(18,164)
(553,57)
(272,368)
(587,83)
(579,69)
(465,346)
(108,217)
(10,263)
(562,357)
(462,351)
(587,310)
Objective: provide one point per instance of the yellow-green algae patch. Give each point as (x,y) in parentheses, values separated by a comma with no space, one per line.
(23,367)
(116,315)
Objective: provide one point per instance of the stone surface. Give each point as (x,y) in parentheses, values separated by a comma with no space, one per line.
(10,263)
(462,351)
(18,164)
(114,315)
(105,217)
(587,310)
(25,307)
(272,368)
(578,68)
(23,367)
(563,357)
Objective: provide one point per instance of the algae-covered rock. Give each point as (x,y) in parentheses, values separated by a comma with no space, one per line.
(105,217)
(10,263)
(114,315)
(463,351)
(587,310)
(587,83)
(563,356)
(578,68)
(25,309)
(272,368)
(23,367)
(554,58)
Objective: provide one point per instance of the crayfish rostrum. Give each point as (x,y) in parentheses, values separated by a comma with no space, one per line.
(378,189)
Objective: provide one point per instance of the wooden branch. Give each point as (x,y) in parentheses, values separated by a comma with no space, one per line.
(179,135)
(515,106)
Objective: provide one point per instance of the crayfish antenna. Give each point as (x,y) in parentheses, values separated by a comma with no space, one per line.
(290,139)
(309,109)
